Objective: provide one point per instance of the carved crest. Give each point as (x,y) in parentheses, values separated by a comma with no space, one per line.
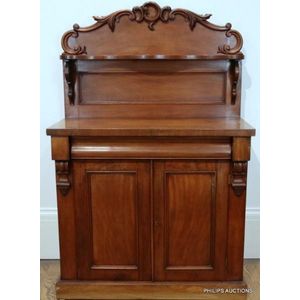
(151,13)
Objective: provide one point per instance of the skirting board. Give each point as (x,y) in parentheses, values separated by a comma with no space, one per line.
(49,234)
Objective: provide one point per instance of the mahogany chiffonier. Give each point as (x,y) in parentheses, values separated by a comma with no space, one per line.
(151,158)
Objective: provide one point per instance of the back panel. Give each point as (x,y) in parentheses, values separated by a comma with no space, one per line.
(153,88)
(152,62)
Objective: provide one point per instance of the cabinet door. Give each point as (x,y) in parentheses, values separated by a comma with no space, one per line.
(113,220)
(190,220)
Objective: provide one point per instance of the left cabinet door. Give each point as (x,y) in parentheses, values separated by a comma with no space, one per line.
(113,220)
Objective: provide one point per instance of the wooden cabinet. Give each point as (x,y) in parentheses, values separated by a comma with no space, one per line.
(151,158)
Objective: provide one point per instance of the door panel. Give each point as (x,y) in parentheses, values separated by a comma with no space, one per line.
(113,220)
(190,211)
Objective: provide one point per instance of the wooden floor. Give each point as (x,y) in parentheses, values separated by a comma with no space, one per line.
(50,274)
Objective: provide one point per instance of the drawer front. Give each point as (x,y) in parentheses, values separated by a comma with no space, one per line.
(147,148)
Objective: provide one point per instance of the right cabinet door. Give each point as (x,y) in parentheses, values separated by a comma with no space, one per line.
(190,220)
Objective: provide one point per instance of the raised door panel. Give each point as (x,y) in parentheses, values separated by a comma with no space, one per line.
(189,211)
(113,220)
(190,218)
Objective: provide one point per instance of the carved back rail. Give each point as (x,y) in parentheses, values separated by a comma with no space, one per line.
(152,62)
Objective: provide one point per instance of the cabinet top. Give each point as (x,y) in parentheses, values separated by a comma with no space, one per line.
(145,127)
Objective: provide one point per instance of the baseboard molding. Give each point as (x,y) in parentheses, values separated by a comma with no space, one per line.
(49,247)
(252,233)
(49,233)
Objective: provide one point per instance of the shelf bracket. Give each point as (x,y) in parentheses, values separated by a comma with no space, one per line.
(236,77)
(70,77)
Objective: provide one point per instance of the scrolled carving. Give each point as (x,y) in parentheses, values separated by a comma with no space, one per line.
(70,76)
(239,177)
(226,49)
(63,183)
(151,13)
(112,19)
(65,42)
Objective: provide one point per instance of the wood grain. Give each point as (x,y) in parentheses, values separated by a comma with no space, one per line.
(221,127)
(145,57)
(50,273)
(114,148)
(235,237)
(112,200)
(151,158)
(151,28)
(146,82)
(162,88)
(241,148)
(119,61)
(190,221)
(67,229)
(60,148)
(103,87)
(144,290)
(190,207)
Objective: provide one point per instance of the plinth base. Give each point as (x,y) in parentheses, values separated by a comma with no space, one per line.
(150,290)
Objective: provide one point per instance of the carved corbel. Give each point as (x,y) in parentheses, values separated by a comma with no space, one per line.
(63,183)
(236,77)
(238,178)
(70,76)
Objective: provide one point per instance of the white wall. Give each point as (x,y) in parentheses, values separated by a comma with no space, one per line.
(58,16)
